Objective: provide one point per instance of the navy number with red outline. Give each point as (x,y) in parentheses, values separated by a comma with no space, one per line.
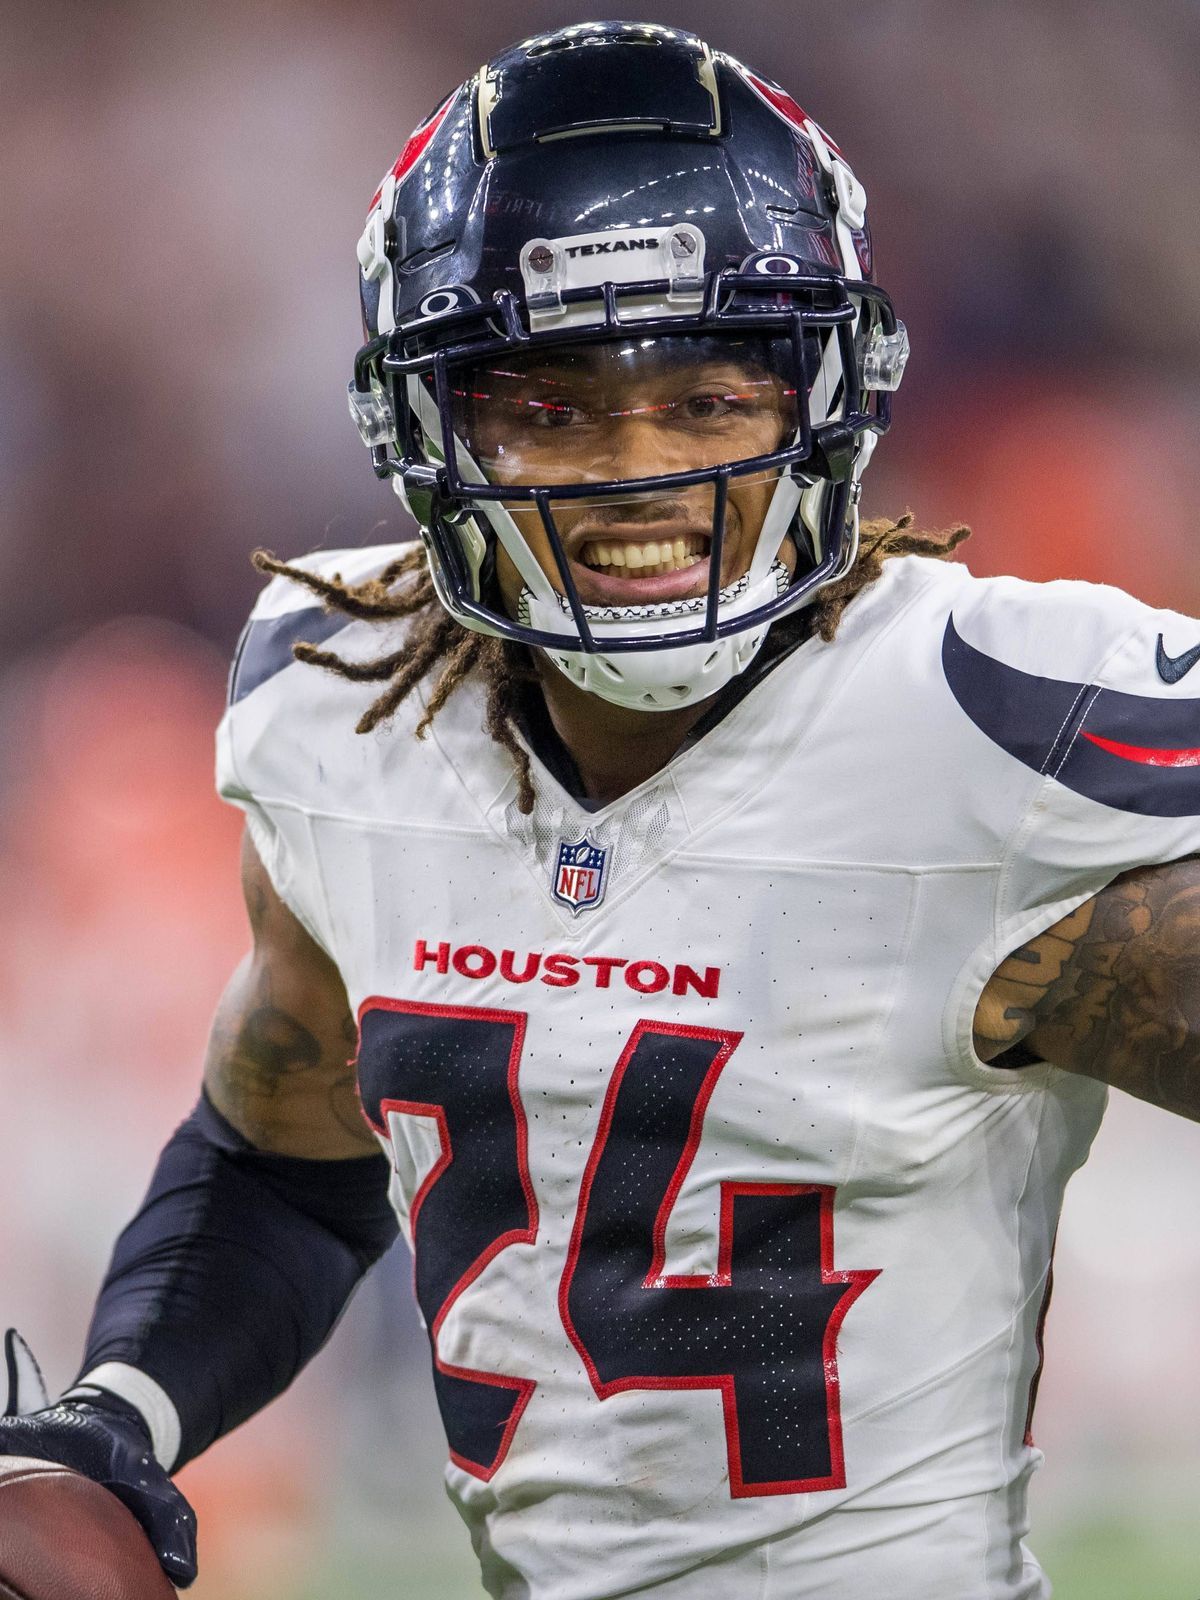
(457,1065)
(762,1330)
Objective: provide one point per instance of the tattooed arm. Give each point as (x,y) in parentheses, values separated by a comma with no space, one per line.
(278,1063)
(1112,991)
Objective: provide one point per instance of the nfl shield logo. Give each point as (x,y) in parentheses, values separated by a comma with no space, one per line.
(580,874)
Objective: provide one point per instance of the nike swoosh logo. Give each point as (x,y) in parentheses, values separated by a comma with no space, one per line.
(1172,668)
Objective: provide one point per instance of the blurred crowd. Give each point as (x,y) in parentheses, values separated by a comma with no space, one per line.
(181,191)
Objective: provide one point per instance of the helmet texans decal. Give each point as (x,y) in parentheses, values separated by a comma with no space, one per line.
(1134,752)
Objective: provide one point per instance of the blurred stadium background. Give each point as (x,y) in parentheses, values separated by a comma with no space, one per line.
(181,190)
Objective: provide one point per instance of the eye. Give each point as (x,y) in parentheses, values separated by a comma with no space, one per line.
(554,411)
(707,407)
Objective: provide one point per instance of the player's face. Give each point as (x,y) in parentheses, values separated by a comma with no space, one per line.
(632,408)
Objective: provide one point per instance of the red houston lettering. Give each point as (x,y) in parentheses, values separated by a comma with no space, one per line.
(561,971)
(532,962)
(604,966)
(474,961)
(658,976)
(423,956)
(688,978)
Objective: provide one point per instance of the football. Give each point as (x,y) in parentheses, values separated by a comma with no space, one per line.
(63,1537)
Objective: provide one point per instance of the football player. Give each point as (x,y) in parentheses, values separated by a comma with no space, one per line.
(735,964)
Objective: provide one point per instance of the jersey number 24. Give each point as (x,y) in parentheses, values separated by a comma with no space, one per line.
(762,1330)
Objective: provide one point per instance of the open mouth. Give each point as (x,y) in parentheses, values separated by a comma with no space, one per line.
(659,564)
(650,558)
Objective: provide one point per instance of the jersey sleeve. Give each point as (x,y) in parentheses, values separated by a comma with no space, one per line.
(1122,777)
(275,722)
(1098,696)
(1094,693)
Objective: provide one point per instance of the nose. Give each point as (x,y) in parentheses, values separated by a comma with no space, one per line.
(636,445)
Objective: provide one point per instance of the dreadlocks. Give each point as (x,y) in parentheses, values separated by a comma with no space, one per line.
(436,641)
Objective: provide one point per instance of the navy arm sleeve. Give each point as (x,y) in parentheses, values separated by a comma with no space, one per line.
(234,1271)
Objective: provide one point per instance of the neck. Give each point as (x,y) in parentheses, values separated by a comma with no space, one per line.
(613,748)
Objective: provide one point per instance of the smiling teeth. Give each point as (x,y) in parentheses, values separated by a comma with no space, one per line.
(649,560)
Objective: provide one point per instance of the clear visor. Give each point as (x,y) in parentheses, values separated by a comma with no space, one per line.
(627,408)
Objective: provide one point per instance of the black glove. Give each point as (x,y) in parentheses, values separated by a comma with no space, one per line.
(106,1440)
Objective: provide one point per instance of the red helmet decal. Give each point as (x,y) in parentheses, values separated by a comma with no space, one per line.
(779,100)
(415,148)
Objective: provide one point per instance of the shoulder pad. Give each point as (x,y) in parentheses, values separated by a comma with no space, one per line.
(1085,685)
(1065,628)
(286,611)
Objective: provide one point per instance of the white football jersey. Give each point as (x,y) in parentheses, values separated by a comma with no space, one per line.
(732,1252)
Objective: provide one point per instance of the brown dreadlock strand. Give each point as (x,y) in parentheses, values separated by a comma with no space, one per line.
(879,541)
(405,589)
(436,639)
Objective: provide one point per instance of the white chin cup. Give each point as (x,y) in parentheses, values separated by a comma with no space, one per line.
(669,676)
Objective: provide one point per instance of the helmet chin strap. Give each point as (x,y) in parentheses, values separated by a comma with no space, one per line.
(671,676)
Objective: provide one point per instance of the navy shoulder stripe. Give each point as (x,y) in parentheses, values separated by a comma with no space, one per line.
(1137,753)
(265,646)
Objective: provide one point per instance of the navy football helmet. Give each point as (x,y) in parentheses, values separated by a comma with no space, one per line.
(622,188)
